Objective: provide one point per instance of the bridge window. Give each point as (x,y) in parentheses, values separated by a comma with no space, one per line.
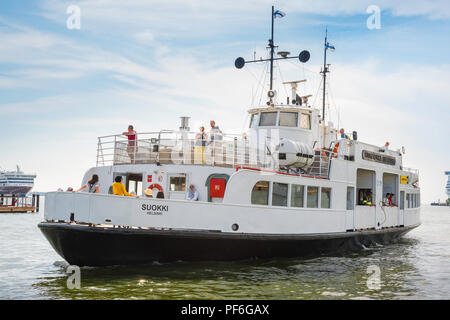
(254,121)
(268,119)
(325,198)
(288,119)
(260,193)
(313,197)
(279,194)
(305,121)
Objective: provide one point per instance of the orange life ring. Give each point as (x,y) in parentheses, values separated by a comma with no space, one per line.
(155,185)
(336,146)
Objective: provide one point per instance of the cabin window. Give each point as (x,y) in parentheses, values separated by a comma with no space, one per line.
(325,198)
(408,201)
(260,193)
(297,196)
(305,121)
(268,119)
(177,183)
(313,197)
(279,194)
(254,121)
(288,119)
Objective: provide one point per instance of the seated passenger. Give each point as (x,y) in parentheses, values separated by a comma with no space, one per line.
(160,195)
(192,193)
(386,200)
(148,192)
(119,188)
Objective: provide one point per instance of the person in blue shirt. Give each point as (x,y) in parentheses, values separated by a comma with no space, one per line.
(343,135)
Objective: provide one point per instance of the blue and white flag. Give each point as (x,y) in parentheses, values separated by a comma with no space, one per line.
(279,14)
(330,47)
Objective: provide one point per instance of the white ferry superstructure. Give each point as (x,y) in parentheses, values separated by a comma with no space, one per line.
(288,187)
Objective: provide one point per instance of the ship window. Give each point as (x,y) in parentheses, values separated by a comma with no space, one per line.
(297,195)
(325,198)
(305,121)
(288,119)
(279,194)
(408,200)
(254,121)
(268,119)
(177,183)
(260,193)
(313,197)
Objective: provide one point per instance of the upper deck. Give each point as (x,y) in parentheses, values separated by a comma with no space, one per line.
(182,147)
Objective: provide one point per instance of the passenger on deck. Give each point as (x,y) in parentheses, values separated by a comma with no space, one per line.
(201,139)
(386,200)
(391,200)
(148,192)
(386,145)
(215,141)
(92,185)
(132,142)
(119,188)
(192,193)
(343,135)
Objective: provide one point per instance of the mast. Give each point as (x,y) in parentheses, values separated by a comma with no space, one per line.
(324,73)
(272,47)
(303,57)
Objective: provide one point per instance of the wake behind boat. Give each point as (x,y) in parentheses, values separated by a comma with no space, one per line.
(291,186)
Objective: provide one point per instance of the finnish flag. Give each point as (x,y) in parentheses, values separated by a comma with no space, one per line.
(279,14)
(330,47)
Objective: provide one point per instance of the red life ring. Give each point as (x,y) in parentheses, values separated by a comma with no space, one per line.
(155,185)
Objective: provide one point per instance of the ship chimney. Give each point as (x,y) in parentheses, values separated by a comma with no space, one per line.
(184,124)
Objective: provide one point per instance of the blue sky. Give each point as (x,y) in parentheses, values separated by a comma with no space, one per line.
(149,62)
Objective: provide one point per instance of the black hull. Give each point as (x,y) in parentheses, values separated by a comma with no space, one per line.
(95,246)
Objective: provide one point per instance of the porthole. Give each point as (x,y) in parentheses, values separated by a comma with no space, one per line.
(235,227)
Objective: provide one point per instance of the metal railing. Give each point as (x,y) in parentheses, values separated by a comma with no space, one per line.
(182,147)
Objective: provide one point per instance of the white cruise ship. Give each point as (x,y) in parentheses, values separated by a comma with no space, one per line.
(16,182)
(447,187)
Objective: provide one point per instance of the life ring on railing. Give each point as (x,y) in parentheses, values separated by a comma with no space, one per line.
(155,185)
(335,150)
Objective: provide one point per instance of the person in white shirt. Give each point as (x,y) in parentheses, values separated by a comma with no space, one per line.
(192,193)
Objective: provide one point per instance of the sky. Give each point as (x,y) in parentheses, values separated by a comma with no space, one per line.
(147,63)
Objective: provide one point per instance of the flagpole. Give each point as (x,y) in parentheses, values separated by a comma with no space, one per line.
(271,53)
(325,70)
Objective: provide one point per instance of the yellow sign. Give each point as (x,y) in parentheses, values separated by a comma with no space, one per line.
(404,179)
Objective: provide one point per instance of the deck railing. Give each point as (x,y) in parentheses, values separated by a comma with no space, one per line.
(182,147)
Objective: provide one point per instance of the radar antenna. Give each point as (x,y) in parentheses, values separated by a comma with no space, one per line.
(303,56)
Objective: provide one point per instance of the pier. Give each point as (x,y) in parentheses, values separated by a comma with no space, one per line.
(19,204)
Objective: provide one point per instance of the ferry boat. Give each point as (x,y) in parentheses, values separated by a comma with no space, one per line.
(16,182)
(291,186)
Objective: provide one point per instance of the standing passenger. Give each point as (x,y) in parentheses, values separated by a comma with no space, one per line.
(199,149)
(132,142)
(215,138)
(92,185)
